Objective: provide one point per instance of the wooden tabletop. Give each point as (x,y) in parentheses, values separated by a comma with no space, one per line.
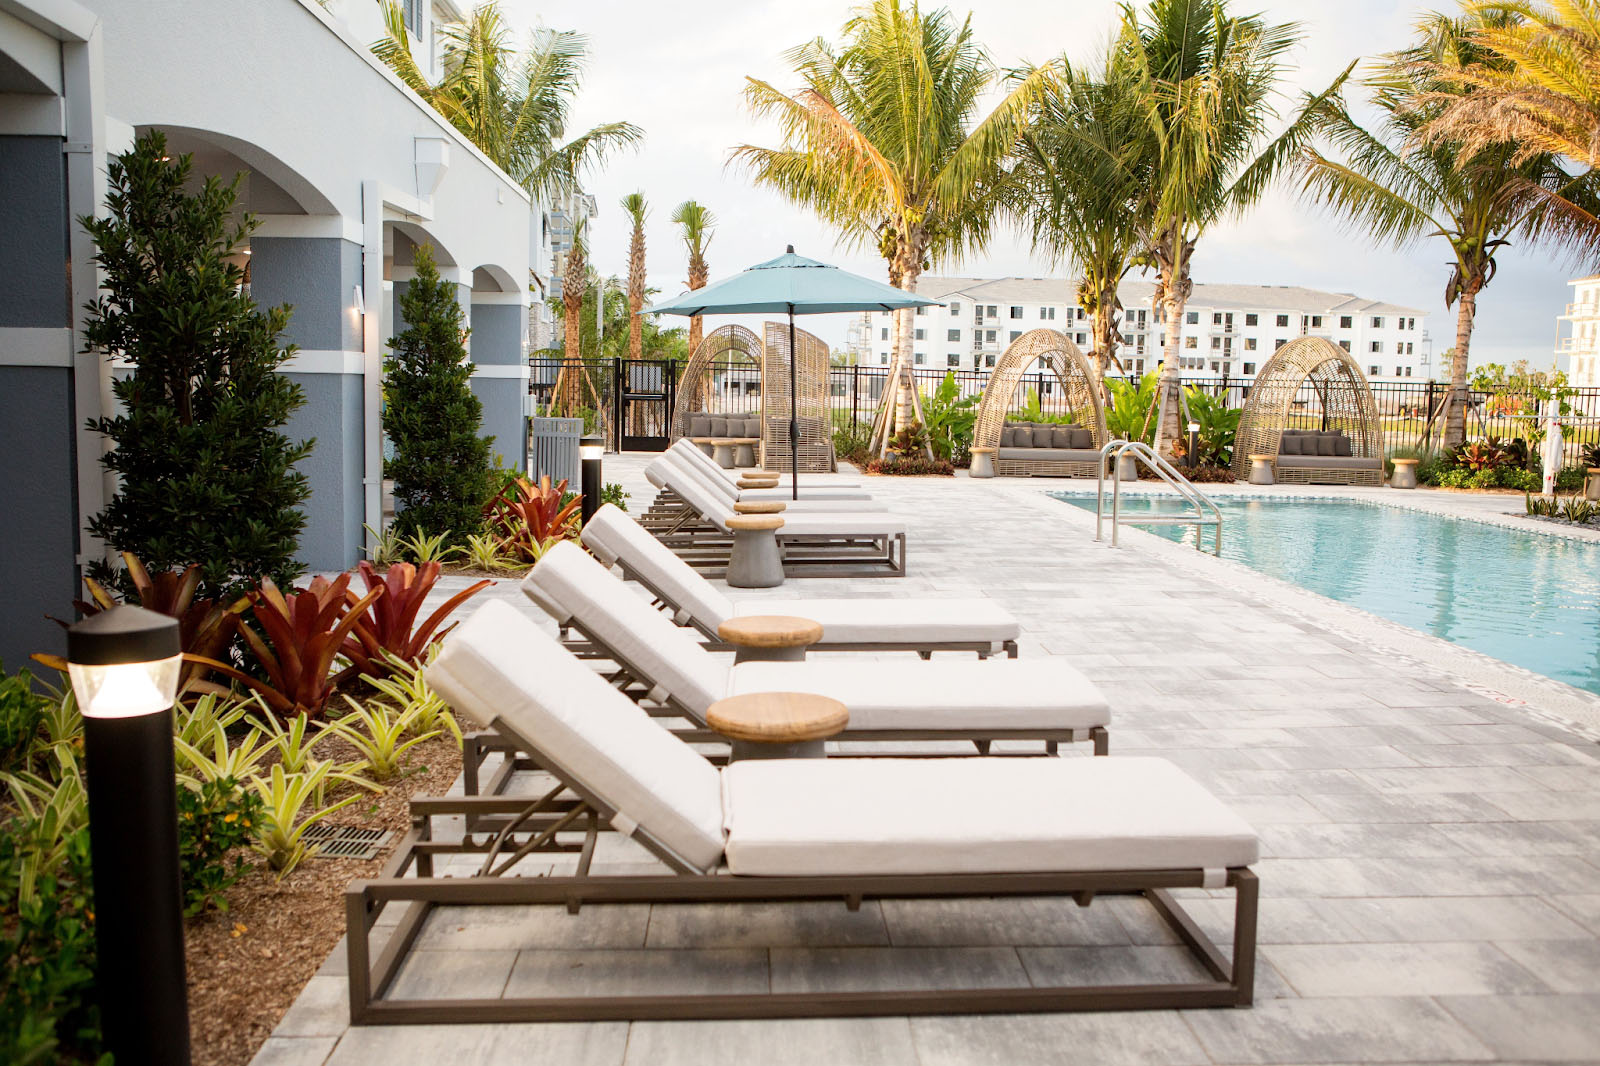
(979,450)
(1405,462)
(778,717)
(758,481)
(1261,458)
(770,631)
(758,506)
(745,522)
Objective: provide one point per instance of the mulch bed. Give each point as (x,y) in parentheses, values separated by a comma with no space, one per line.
(248,963)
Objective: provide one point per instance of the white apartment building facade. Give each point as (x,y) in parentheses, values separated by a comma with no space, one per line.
(1581,346)
(1228,330)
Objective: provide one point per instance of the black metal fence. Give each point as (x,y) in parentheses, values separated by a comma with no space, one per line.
(1411,411)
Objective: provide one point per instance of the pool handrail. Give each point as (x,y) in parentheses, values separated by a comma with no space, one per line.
(1141,452)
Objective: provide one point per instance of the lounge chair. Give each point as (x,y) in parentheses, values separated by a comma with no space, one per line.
(865,624)
(766,831)
(814,544)
(817,500)
(949,699)
(812,486)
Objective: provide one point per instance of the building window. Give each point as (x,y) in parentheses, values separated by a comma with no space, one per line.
(1279,343)
(1408,371)
(1014,335)
(1316,321)
(952,360)
(1016,312)
(1191,342)
(1138,366)
(1377,321)
(1411,323)
(1345,321)
(1048,313)
(952,334)
(1345,345)
(1216,342)
(1080,313)
(411,12)
(1126,339)
(955,308)
(920,335)
(994,312)
(1251,319)
(922,310)
(1249,368)
(883,357)
(1397,371)
(989,336)
(1082,338)
(885,332)
(1283,321)
(988,360)
(1408,347)
(1399,349)
(1216,318)
(1249,344)
(920,358)
(1193,318)
(1376,346)
(1372,371)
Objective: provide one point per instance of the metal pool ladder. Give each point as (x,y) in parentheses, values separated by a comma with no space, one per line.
(1204,512)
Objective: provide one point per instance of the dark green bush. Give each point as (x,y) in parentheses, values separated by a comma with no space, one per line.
(22,715)
(614,494)
(213,824)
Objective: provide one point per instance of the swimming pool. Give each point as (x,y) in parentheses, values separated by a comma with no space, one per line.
(1528,599)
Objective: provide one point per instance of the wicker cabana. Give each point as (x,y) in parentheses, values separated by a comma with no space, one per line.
(1051,449)
(721,345)
(811,400)
(1312,409)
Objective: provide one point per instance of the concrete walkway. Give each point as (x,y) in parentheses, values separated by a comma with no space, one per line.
(1430,885)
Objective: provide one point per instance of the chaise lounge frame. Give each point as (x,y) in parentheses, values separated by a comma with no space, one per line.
(542,820)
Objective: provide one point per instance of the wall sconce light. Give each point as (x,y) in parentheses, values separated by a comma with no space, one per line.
(361,301)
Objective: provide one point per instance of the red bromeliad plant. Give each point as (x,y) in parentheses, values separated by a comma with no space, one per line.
(388,629)
(301,634)
(528,520)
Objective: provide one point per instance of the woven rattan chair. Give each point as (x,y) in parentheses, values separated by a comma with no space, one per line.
(722,345)
(1082,400)
(1312,387)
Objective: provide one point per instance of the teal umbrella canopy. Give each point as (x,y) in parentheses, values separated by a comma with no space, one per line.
(790,284)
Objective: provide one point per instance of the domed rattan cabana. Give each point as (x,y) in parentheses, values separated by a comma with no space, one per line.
(1311,408)
(810,400)
(723,344)
(1051,450)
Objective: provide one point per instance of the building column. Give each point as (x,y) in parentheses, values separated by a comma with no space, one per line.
(500,381)
(318,277)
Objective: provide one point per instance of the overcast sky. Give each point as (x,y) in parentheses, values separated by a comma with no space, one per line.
(678,70)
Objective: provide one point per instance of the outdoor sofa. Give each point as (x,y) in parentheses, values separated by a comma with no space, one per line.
(1323,457)
(774,831)
(1047,449)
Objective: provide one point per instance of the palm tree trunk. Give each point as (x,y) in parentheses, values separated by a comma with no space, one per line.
(1455,420)
(568,394)
(1175,286)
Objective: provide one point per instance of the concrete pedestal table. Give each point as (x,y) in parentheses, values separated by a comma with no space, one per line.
(778,725)
(744,453)
(1261,470)
(722,451)
(773,638)
(983,462)
(1591,487)
(1405,474)
(755,561)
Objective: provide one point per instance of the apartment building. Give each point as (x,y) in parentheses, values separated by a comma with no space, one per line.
(1227,330)
(1581,345)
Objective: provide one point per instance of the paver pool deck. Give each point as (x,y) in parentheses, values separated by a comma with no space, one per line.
(1430,835)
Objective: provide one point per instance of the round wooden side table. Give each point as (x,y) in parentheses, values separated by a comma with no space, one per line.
(722,451)
(778,725)
(751,480)
(1261,470)
(755,561)
(759,506)
(1405,474)
(769,637)
(983,462)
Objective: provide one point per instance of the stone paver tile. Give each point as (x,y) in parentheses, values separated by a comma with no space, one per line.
(877,969)
(1124,965)
(1262,811)
(1140,1039)
(1415,807)
(1542,1028)
(1303,782)
(1517,838)
(1310,758)
(1565,965)
(1005,921)
(1278,921)
(772,1042)
(568,1043)
(515,927)
(762,925)
(1584,907)
(294,1051)
(1547,806)
(1417,969)
(1458,918)
(1546,753)
(1355,1030)
(322,1009)
(1449,779)
(1344,840)
(611,972)
(453,974)
(1564,778)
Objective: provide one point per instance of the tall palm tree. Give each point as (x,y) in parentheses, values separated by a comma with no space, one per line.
(1401,191)
(695,222)
(574,280)
(1538,85)
(1077,189)
(634,205)
(882,142)
(1204,82)
(513,106)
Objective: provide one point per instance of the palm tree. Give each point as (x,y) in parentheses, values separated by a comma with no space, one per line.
(514,107)
(574,281)
(1538,85)
(1400,190)
(1077,189)
(882,143)
(695,222)
(1204,82)
(633,204)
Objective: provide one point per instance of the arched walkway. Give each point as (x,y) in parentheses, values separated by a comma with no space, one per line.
(1313,390)
(1082,402)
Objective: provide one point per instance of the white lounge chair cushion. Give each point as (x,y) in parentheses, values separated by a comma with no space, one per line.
(571,584)
(815,501)
(894,620)
(694,455)
(827,817)
(837,524)
(499,664)
(616,538)
(962,694)
(810,496)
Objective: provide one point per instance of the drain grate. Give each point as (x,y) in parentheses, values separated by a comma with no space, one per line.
(345,841)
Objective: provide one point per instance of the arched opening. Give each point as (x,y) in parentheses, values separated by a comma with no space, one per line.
(271,186)
(719,376)
(1068,445)
(1311,408)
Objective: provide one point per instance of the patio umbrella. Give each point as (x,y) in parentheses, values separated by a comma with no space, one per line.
(794,285)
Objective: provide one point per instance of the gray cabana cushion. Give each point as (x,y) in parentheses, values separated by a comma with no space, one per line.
(1325,462)
(1051,455)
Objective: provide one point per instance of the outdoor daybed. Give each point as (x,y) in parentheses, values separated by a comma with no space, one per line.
(1311,378)
(1310,456)
(1041,448)
(778,830)
(1047,448)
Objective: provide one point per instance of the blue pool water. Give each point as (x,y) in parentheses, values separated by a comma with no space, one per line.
(1528,599)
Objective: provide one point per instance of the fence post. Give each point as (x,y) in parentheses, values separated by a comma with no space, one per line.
(855,394)
(1427,425)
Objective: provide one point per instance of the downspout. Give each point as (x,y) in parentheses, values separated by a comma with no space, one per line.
(372,358)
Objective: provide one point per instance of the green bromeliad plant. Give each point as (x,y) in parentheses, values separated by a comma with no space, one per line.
(1129,415)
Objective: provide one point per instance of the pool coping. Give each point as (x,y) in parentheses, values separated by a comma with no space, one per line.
(1554,702)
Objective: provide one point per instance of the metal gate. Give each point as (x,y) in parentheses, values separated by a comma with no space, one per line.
(643,395)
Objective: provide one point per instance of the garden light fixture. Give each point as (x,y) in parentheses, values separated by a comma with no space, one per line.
(124,664)
(591,448)
(1193,457)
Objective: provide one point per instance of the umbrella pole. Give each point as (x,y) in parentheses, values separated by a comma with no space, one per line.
(794,418)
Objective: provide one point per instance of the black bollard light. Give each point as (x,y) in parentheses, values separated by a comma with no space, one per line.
(1194,446)
(124,665)
(591,449)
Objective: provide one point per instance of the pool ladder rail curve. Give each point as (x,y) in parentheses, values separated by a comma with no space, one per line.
(1204,513)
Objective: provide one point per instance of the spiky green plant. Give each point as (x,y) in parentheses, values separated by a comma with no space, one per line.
(381,736)
(284,798)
